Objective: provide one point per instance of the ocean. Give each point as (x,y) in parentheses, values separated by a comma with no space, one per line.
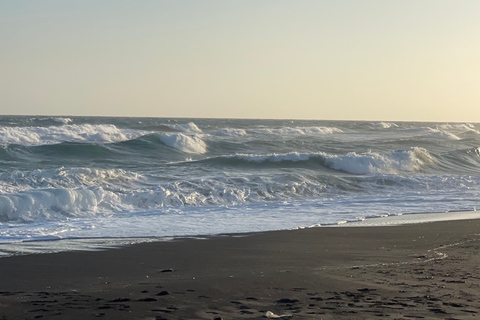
(141,178)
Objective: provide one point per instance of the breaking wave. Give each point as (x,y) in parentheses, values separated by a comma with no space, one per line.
(80,193)
(400,161)
(297,130)
(383,125)
(35,136)
(184,142)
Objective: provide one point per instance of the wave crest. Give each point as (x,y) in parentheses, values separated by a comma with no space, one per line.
(54,204)
(383,125)
(17,181)
(36,136)
(183,142)
(62,120)
(186,127)
(298,130)
(393,162)
(75,200)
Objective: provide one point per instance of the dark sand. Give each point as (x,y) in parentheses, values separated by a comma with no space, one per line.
(425,271)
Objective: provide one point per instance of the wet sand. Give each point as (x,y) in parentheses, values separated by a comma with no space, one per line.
(422,271)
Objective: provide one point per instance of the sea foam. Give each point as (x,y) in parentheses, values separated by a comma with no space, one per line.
(383,125)
(190,143)
(297,130)
(35,136)
(186,127)
(393,162)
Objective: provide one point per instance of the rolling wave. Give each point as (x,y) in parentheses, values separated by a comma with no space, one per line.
(383,125)
(464,161)
(296,131)
(395,162)
(183,137)
(79,193)
(5,155)
(184,142)
(85,133)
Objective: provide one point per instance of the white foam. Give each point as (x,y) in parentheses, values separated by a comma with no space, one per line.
(190,143)
(62,120)
(460,128)
(282,131)
(35,136)
(383,125)
(292,156)
(55,204)
(393,162)
(186,127)
(174,210)
(228,132)
(59,194)
(440,133)
(426,132)
(415,218)
(285,131)
(62,193)
(18,181)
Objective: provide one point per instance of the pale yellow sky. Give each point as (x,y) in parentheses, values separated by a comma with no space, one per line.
(342,59)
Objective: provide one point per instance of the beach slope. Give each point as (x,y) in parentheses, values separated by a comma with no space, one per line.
(428,271)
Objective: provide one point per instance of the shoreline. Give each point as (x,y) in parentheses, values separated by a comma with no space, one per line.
(49,246)
(417,270)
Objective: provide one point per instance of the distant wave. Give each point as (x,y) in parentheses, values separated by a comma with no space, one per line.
(35,136)
(394,162)
(187,127)
(228,132)
(411,160)
(442,132)
(459,126)
(383,125)
(281,131)
(297,130)
(190,143)
(62,120)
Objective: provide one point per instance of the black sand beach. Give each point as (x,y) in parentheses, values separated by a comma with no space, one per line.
(422,271)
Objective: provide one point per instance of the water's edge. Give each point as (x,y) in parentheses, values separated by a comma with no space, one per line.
(99,244)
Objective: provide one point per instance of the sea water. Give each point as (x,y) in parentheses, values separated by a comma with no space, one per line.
(130,178)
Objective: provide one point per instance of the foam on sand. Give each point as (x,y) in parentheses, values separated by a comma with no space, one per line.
(413,218)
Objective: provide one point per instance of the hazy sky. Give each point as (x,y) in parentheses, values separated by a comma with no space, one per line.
(339,59)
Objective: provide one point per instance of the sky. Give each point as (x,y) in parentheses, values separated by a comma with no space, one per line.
(408,60)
